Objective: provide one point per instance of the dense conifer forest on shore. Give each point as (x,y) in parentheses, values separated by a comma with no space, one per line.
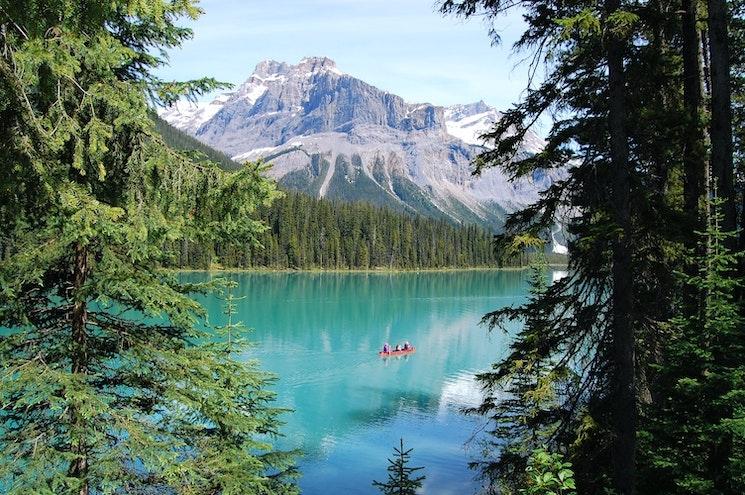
(311,233)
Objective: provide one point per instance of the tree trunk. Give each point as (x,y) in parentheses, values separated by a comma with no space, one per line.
(184,261)
(694,152)
(661,162)
(623,378)
(742,237)
(721,112)
(695,164)
(79,317)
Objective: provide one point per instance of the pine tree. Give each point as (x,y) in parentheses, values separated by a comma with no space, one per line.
(628,80)
(109,382)
(694,436)
(614,71)
(400,475)
(722,172)
(239,429)
(535,384)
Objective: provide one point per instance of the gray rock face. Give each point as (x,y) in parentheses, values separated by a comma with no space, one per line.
(280,101)
(333,135)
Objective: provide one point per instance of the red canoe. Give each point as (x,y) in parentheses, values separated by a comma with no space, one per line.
(397,353)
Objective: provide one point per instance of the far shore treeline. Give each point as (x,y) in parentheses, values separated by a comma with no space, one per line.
(310,233)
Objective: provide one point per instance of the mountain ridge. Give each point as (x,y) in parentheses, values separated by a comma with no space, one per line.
(332,135)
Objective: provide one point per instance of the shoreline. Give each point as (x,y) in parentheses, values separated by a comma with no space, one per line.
(382,271)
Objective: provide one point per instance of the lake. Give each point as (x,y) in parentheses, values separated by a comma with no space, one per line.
(320,333)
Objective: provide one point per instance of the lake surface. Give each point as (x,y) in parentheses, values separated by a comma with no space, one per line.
(320,333)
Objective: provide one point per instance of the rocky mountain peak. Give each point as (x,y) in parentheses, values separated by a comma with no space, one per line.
(267,68)
(318,64)
(457,112)
(306,67)
(313,96)
(333,135)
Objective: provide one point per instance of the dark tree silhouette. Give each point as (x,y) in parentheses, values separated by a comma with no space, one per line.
(401,479)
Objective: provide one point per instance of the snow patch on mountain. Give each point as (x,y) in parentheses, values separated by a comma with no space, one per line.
(471,121)
(329,174)
(470,129)
(188,115)
(252,90)
(254,154)
(556,246)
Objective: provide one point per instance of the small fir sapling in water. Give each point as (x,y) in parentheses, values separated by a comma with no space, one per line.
(401,476)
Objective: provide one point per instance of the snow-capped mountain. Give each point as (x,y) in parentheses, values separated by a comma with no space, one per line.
(333,135)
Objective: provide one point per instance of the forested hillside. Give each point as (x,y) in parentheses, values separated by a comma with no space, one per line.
(306,232)
(182,141)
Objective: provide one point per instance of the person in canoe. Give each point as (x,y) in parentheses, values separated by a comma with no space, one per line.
(400,349)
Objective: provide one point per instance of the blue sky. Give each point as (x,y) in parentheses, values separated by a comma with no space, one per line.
(401,46)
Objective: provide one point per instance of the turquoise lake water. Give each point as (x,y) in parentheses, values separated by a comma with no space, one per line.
(320,333)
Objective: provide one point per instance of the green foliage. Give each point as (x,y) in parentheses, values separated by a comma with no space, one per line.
(570,342)
(306,232)
(548,474)
(583,24)
(401,479)
(310,233)
(694,436)
(109,383)
(535,385)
